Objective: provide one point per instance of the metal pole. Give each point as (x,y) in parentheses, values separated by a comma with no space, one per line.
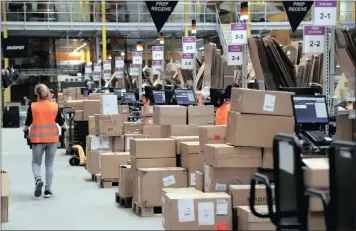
(194,73)
(244,67)
(139,84)
(97,48)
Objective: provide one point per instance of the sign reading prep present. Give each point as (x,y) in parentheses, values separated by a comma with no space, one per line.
(189,44)
(187,61)
(239,33)
(15,47)
(325,13)
(160,12)
(313,39)
(296,11)
(235,55)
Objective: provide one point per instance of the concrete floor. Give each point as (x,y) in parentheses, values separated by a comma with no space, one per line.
(78,204)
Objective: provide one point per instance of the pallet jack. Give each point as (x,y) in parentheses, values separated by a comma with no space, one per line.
(340,209)
(69,115)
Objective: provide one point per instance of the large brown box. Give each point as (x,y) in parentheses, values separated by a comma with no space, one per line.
(110,163)
(240,195)
(93,162)
(78,115)
(147,120)
(179,130)
(345,128)
(132,128)
(191,160)
(251,101)
(126,181)
(91,125)
(316,173)
(152,148)
(117,143)
(211,134)
(180,139)
(256,130)
(197,211)
(316,221)
(170,115)
(109,125)
(224,155)
(151,181)
(267,158)
(247,221)
(129,137)
(124,109)
(75,104)
(201,115)
(152,163)
(218,179)
(154,131)
(147,111)
(199,182)
(91,107)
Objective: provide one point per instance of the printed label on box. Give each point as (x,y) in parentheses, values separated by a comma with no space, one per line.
(220,187)
(206,213)
(193,178)
(104,142)
(186,210)
(95,143)
(221,227)
(169,180)
(151,109)
(221,207)
(269,102)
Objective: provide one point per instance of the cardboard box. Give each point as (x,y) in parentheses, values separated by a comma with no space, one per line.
(224,155)
(256,130)
(110,163)
(201,115)
(166,191)
(199,181)
(316,173)
(148,121)
(91,107)
(147,111)
(126,181)
(152,148)
(240,195)
(153,131)
(193,211)
(219,179)
(179,130)
(108,105)
(91,125)
(152,163)
(128,139)
(151,181)
(125,117)
(132,128)
(117,143)
(93,162)
(170,115)
(190,157)
(109,125)
(5,195)
(247,221)
(180,139)
(72,91)
(75,104)
(267,158)
(78,115)
(124,109)
(60,97)
(252,101)
(211,134)
(316,221)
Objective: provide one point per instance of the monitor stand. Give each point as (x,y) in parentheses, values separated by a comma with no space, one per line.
(315,141)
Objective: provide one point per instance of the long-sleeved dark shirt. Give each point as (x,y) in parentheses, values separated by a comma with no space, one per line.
(29,119)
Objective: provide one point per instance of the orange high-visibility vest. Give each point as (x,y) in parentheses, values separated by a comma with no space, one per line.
(44,128)
(221,114)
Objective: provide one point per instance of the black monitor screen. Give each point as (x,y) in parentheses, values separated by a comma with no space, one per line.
(185,97)
(129,97)
(310,110)
(159,97)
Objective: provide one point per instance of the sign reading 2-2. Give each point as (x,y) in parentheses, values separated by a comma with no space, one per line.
(313,39)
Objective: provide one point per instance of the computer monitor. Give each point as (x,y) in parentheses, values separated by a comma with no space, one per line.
(159,97)
(169,95)
(129,97)
(310,109)
(185,97)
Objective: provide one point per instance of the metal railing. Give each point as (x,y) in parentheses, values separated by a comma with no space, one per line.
(221,33)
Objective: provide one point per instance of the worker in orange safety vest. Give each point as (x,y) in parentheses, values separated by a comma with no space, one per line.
(223,110)
(42,119)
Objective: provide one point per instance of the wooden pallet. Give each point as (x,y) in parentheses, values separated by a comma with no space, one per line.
(108,183)
(124,202)
(146,211)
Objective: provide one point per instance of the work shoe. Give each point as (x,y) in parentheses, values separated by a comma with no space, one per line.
(38,188)
(48,194)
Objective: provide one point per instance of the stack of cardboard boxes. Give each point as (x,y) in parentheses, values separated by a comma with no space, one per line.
(147,115)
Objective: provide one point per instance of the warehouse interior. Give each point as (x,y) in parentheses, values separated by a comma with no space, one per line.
(178,115)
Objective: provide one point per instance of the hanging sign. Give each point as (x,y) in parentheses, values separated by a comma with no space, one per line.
(97,72)
(187,61)
(15,47)
(160,12)
(157,53)
(234,55)
(313,39)
(107,69)
(239,33)
(137,58)
(296,11)
(325,13)
(134,69)
(119,66)
(189,44)
(88,71)
(156,67)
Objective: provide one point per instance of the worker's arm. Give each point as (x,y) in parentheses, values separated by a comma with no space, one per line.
(28,121)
